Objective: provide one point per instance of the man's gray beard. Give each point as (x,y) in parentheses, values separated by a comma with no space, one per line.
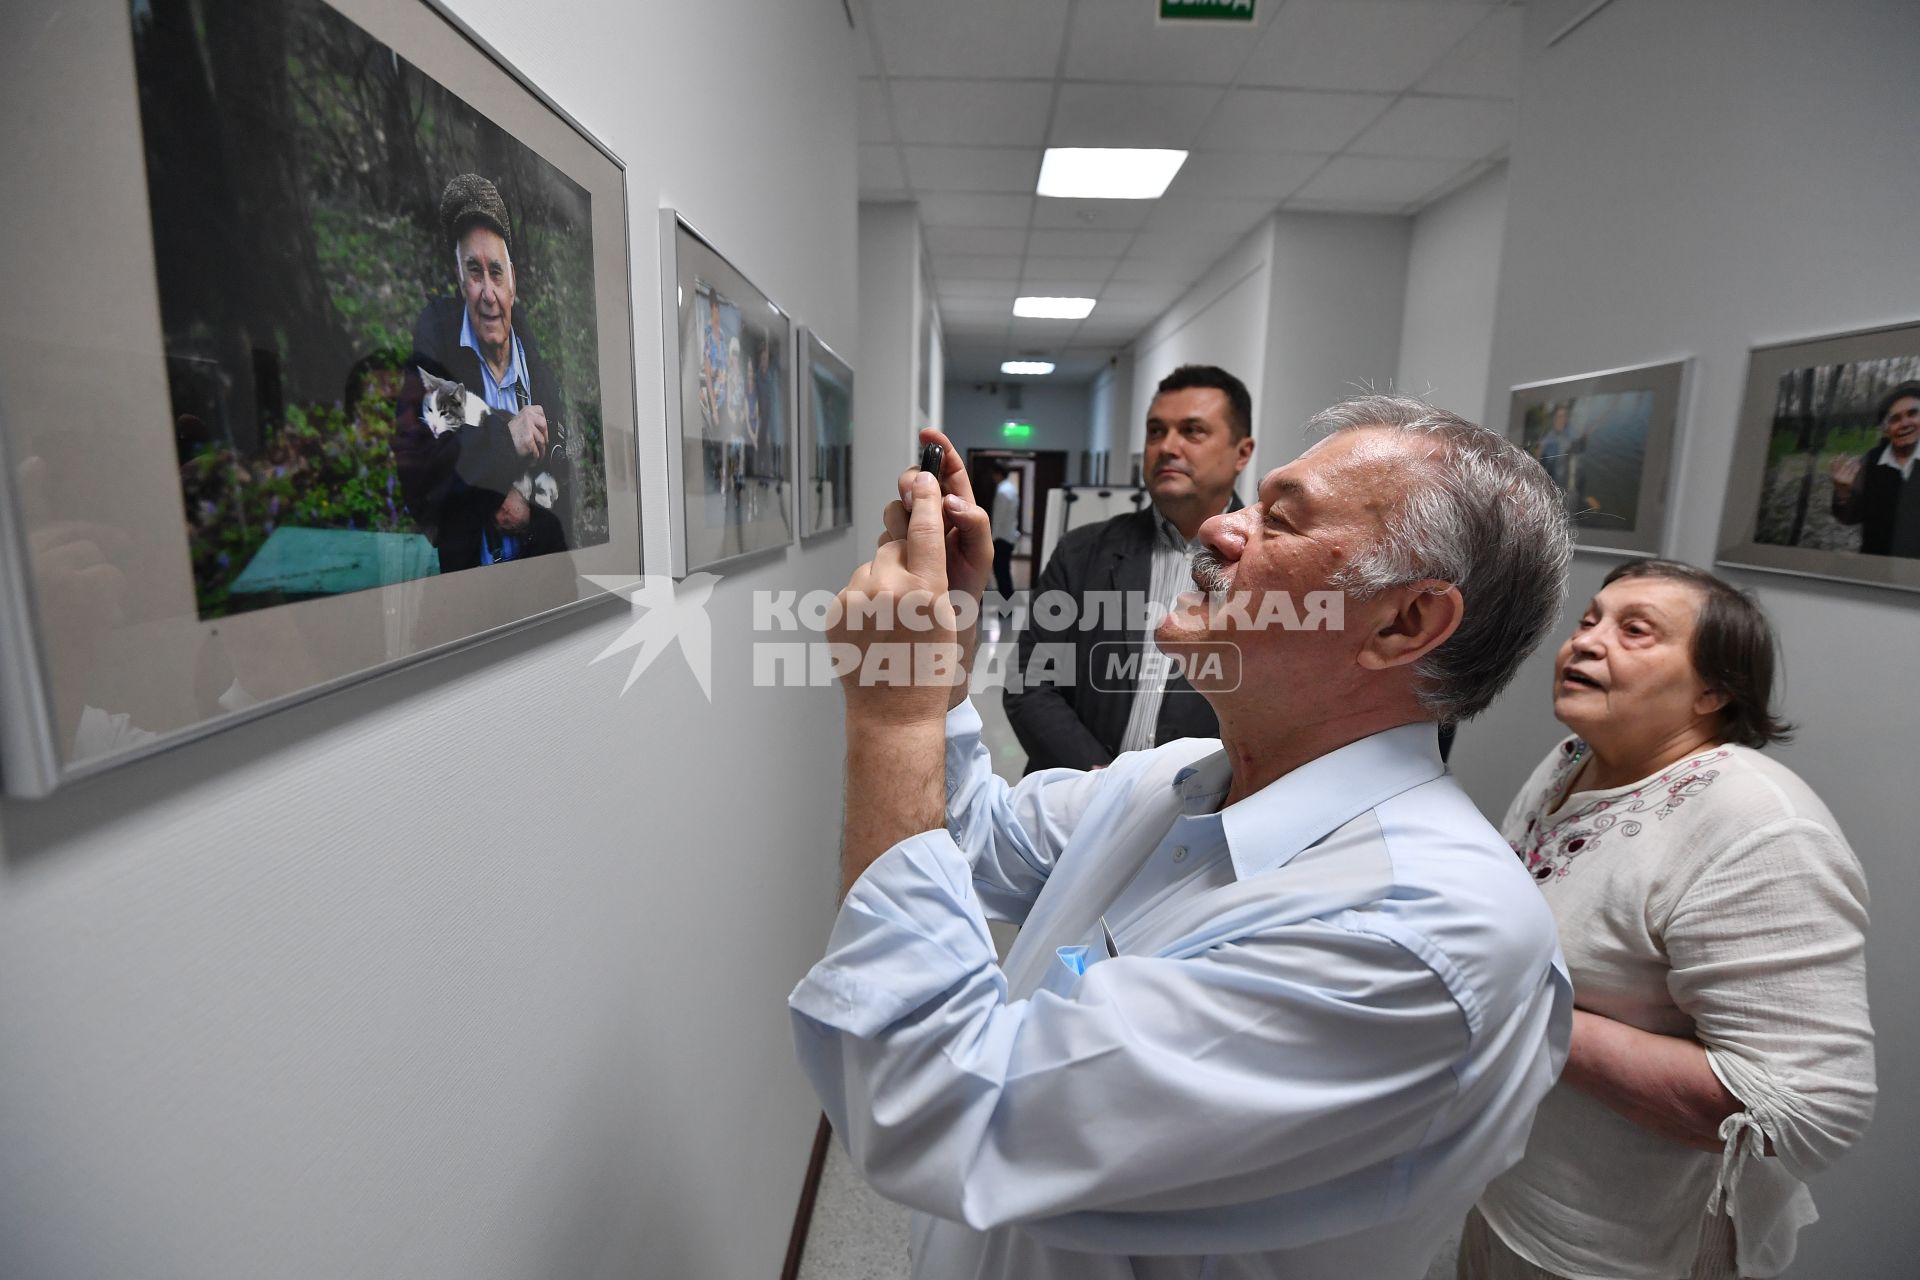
(1210,572)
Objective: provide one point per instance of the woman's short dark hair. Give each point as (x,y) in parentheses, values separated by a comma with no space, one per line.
(1734,650)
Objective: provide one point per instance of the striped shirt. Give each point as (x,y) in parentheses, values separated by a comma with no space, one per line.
(1172,574)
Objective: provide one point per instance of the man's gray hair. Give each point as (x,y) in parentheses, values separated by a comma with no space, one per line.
(1489,520)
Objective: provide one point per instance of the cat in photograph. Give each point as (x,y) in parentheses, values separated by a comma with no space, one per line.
(449,406)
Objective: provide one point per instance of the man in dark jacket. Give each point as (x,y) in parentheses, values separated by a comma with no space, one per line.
(1877,491)
(495,482)
(1105,691)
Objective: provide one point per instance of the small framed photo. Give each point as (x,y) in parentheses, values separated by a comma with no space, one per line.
(729,352)
(826,437)
(1607,440)
(1824,482)
(334,373)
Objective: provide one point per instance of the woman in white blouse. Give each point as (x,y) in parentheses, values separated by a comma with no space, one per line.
(1713,920)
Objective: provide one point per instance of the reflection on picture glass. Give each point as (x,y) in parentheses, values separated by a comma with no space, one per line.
(378,311)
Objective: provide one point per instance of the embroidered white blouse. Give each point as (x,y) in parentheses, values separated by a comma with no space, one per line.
(1716,900)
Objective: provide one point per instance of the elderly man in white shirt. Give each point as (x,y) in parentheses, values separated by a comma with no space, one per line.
(1281,1004)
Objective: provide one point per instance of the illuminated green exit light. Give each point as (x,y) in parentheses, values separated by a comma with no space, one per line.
(1016,430)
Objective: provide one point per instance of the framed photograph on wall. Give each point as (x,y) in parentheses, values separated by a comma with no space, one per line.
(320,360)
(1824,482)
(826,437)
(1607,440)
(729,350)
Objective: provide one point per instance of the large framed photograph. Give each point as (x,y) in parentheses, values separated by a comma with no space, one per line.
(729,430)
(826,437)
(1824,482)
(319,360)
(1607,440)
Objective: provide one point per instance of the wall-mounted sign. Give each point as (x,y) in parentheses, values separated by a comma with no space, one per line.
(1206,10)
(1016,430)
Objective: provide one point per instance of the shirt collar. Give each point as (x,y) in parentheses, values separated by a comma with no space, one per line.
(1269,827)
(1165,530)
(514,362)
(1886,460)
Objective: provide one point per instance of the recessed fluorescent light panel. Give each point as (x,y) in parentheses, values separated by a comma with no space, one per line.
(1033,367)
(1108,173)
(1053,308)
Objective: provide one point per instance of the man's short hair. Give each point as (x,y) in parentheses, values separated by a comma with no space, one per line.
(1904,391)
(1489,520)
(469,200)
(1239,404)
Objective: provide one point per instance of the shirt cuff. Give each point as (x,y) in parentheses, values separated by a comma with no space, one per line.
(910,930)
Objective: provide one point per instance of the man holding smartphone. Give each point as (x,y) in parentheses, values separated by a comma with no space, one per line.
(1281,1004)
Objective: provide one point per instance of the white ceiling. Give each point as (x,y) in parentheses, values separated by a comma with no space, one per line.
(1368,106)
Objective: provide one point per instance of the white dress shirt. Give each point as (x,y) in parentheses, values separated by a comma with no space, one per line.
(1172,574)
(1006,511)
(1331,1011)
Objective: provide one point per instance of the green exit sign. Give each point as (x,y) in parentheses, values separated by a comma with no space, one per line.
(1206,10)
(1016,430)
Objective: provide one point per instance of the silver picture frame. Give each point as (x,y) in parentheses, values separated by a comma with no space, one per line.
(1805,411)
(729,350)
(1607,439)
(826,395)
(111,649)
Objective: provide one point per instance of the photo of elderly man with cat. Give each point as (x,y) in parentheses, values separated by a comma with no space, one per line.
(481,441)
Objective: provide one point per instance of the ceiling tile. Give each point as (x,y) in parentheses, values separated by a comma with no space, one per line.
(976,267)
(1158,272)
(1105,215)
(1074,270)
(1127,293)
(977,113)
(1486,63)
(1101,115)
(962,209)
(880,170)
(1083,243)
(1199,214)
(1383,45)
(865,62)
(975,290)
(1121,40)
(975,326)
(1242,173)
(1009,169)
(1290,120)
(1183,246)
(1377,180)
(1386,208)
(875,123)
(1041,332)
(992,240)
(1440,128)
(975,38)
(1115,328)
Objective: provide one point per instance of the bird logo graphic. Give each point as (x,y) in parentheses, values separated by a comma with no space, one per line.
(665,611)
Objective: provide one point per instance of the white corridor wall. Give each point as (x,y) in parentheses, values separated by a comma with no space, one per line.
(477,970)
(1697,179)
